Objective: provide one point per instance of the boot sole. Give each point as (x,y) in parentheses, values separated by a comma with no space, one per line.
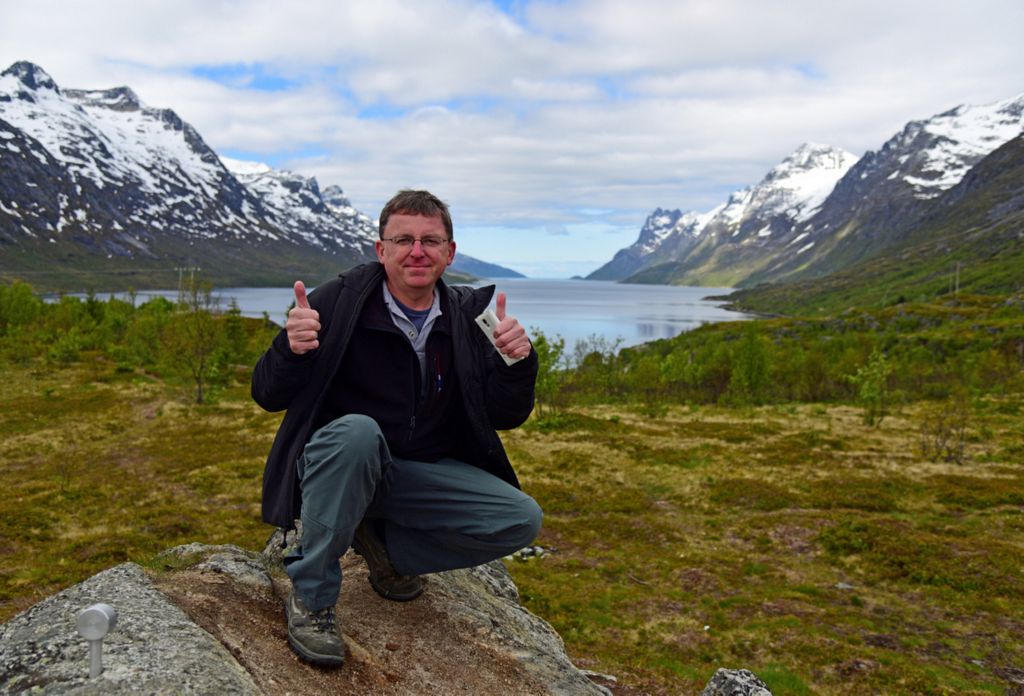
(315,658)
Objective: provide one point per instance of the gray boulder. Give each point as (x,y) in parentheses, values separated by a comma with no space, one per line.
(735,682)
(154,648)
(212,622)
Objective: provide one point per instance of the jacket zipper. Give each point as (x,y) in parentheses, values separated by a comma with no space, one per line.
(417,378)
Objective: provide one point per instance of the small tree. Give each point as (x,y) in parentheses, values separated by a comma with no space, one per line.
(235,335)
(194,336)
(943,429)
(18,306)
(872,381)
(749,380)
(550,372)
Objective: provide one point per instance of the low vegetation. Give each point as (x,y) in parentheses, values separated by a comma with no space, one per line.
(836,504)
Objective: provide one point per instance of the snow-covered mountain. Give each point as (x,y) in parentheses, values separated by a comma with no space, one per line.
(822,209)
(751,219)
(96,185)
(299,205)
(659,226)
(882,197)
(934,155)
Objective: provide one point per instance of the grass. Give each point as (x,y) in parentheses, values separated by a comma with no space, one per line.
(102,467)
(822,554)
(827,556)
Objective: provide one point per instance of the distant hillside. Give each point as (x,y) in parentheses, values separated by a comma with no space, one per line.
(482,269)
(970,239)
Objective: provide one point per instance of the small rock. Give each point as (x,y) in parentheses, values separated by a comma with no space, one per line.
(735,682)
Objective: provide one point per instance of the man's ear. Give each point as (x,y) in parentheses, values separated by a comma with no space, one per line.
(451,252)
(379,248)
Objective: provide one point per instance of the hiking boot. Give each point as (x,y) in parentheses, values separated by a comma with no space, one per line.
(383,578)
(314,634)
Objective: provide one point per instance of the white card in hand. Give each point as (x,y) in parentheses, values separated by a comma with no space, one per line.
(488,322)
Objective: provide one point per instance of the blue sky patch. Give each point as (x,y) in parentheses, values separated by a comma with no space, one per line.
(245,75)
(278,159)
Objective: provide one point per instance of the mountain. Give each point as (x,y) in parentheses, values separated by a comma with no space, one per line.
(300,202)
(481,269)
(713,248)
(661,225)
(970,239)
(822,211)
(99,190)
(884,196)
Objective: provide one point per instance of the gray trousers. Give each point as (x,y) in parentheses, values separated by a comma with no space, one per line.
(435,515)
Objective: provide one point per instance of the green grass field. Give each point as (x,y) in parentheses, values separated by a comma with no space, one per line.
(828,556)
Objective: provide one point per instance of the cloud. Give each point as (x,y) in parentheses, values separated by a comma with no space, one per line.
(531,114)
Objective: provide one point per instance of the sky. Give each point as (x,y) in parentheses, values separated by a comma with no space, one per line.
(552,128)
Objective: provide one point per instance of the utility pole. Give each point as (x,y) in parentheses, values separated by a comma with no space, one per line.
(192,279)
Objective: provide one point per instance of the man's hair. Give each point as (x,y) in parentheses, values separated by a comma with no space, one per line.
(409,202)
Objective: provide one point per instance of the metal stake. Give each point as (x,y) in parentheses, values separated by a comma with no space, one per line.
(94,623)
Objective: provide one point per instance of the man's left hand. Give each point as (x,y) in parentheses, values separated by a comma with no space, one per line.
(509,337)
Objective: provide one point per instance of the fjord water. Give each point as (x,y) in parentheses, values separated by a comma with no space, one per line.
(574,309)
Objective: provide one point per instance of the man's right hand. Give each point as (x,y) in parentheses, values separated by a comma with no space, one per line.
(303,323)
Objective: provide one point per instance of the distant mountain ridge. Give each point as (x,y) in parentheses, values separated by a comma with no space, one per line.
(844,210)
(753,218)
(100,190)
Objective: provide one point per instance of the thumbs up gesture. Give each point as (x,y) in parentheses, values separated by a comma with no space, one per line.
(303,324)
(509,337)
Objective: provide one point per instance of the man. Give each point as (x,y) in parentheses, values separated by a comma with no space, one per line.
(393,395)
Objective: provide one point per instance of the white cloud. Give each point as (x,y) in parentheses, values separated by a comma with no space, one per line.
(530,119)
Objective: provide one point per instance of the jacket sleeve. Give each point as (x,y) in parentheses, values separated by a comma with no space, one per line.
(509,389)
(280,375)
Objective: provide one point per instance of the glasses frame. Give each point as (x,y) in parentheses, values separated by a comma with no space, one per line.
(425,247)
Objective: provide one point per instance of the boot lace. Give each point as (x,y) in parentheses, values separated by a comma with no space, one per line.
(323,619)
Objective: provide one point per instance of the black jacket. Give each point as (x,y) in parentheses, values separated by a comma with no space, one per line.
(494,395)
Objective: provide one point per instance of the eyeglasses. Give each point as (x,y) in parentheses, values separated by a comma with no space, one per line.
(406,241)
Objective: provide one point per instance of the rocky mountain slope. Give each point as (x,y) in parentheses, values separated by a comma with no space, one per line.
(970,239)
(821,211)
(713,247)
(884,197)
(99,190)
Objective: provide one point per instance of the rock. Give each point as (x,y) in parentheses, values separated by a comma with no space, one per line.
(154,649)
(478,605)
(231,560)
(735,682)
(213,622)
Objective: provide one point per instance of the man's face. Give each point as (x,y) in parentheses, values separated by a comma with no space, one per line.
(412,271)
